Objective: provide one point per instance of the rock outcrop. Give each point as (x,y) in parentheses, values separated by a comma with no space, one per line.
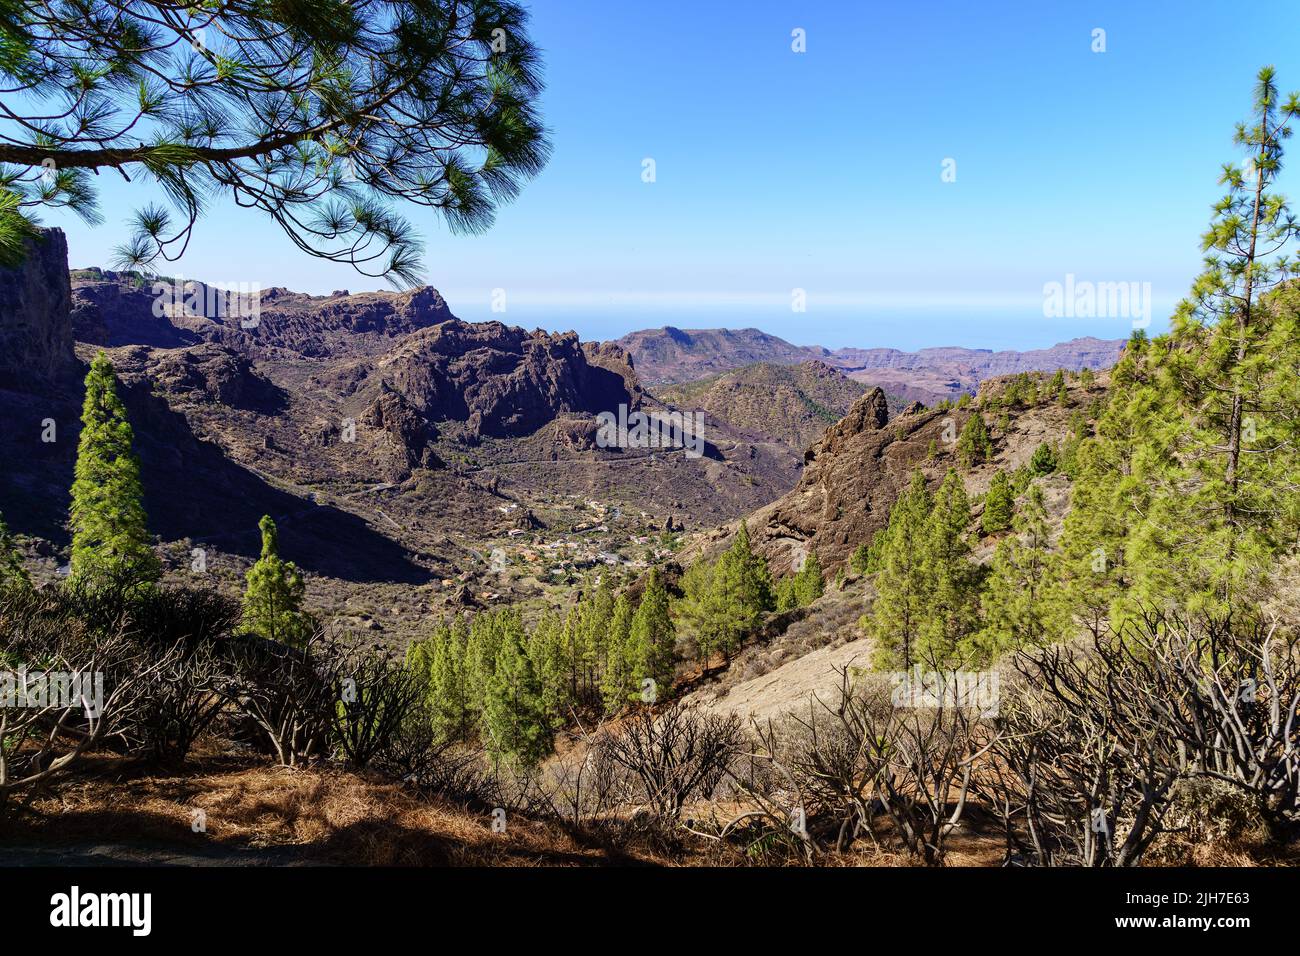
(36,343)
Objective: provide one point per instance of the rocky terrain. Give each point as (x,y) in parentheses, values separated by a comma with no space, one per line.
(793,404)
(670,355)
(853,476)
(855,473)
(414,462)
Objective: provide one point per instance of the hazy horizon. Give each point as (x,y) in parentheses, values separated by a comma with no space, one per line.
(823,171)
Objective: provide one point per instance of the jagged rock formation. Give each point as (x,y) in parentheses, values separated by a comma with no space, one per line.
(856,472)
(36,346)
(501,381)
(408,434)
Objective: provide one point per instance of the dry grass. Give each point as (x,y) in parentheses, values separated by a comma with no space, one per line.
(275,815)
(259,814)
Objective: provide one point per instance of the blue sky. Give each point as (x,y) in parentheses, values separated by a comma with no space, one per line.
(821,170)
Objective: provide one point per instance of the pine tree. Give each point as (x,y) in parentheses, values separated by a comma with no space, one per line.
(1043,461)
(999,505)
(589,651)
(743,593)
(896,614)
(110,537)
(653,639)
(698,612)
(860,560)
(486,633)
(1015,610)
(440,661)
(516,729)
(551,662)
(974,445)
(808,582)
(274,594)
(787,598)
(950,579)
(619,680)
(1183,493)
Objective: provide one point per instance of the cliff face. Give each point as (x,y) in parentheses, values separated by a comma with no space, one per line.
(501,381)
(36,345)
(853,476)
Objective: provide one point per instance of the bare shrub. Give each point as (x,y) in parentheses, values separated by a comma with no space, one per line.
(377,695)
(288,693)
(1100,736)
(675,755)
(858,757)
(180,702)
(43,735)
(582,789)
(1228,694)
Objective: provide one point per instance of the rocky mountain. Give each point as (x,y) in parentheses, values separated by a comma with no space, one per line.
(671,355)
(855,473)
(686,355)
(399,449)
(793,404)
(34,351)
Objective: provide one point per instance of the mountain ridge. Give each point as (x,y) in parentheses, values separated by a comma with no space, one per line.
(670,355)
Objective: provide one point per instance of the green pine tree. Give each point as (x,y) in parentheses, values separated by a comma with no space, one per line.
(897,612)
(515,724)
(974,444)
(808,582)
(652,641)
(1184,494)
(999,505)
(1015,609)
(698,612)
(110,537)
(440,662)
(787,598)
(274,594)
(546,647)
(1043,461)
(618,684)
(951,580)
(742,593)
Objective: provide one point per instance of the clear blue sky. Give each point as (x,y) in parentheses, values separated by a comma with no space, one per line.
(821,170)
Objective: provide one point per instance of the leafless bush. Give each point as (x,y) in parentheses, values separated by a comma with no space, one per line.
(289,693)
(179,703)
(1228,695)
(1083,771)
(860,756)
(584,788)
(1096,742)
(44,734)
(675,755)
(377,695)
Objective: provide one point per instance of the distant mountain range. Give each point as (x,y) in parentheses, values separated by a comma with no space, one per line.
(672,355)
